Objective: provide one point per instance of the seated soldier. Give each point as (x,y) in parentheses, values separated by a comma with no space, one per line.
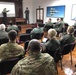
(39,29)
(11,49)
(59,26)
(68,38)
(48,25)
(52,44)
(3,33)
(74,24)
(36,63)
(64,30)
(12,27)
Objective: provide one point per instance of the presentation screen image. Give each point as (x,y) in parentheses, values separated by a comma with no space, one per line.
(73,16)
(9,6)
(55,11)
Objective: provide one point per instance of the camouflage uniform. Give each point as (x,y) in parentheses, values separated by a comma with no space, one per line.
(39,64)
(10,49)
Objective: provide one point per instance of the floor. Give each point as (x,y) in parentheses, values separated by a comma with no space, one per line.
(68,69)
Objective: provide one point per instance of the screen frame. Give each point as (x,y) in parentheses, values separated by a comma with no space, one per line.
(60,9)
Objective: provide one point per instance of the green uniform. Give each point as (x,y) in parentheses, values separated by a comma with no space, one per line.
(10,49)
(39,64)
(51,47)
(37,30)
(49,23)
(59,26)
(3,34)
(66,39)
(13,27)
(74,24)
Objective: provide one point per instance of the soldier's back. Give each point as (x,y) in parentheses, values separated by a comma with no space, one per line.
(42,64)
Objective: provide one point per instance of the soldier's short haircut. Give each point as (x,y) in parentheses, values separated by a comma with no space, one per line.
(57,19)
(70,29)
(61,19)
(34,45)
(12,35)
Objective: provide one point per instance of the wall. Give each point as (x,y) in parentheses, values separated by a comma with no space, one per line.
(45,3)
(29,4)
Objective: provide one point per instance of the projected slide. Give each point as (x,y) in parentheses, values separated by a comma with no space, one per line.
(56,11)
(9,6)
(73,16)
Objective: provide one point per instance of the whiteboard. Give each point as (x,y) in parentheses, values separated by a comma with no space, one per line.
(9,6)
(73,16)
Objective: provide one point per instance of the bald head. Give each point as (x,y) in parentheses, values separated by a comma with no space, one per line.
(34,45)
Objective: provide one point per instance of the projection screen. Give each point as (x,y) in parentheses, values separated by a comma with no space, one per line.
(9,6)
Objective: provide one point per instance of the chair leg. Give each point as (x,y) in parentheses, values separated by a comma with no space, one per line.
(56,68)
(61,62)
(71,57)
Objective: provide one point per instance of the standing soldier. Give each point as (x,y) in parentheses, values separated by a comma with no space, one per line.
(4,12)
(27,15)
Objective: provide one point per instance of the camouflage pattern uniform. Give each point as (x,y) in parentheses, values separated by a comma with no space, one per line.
(10,49)
(35,64)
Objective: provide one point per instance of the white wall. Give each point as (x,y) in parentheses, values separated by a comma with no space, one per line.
(45,3)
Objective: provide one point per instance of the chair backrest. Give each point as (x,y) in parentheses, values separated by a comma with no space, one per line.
(57,55)
(41,25)
(24,37)
(73,45)
(26,45)
(37,36)
(47,27)
(75,27)
(7,65)
(4,40)
(28,30)
(19,27)
(75,32)
(67,48)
